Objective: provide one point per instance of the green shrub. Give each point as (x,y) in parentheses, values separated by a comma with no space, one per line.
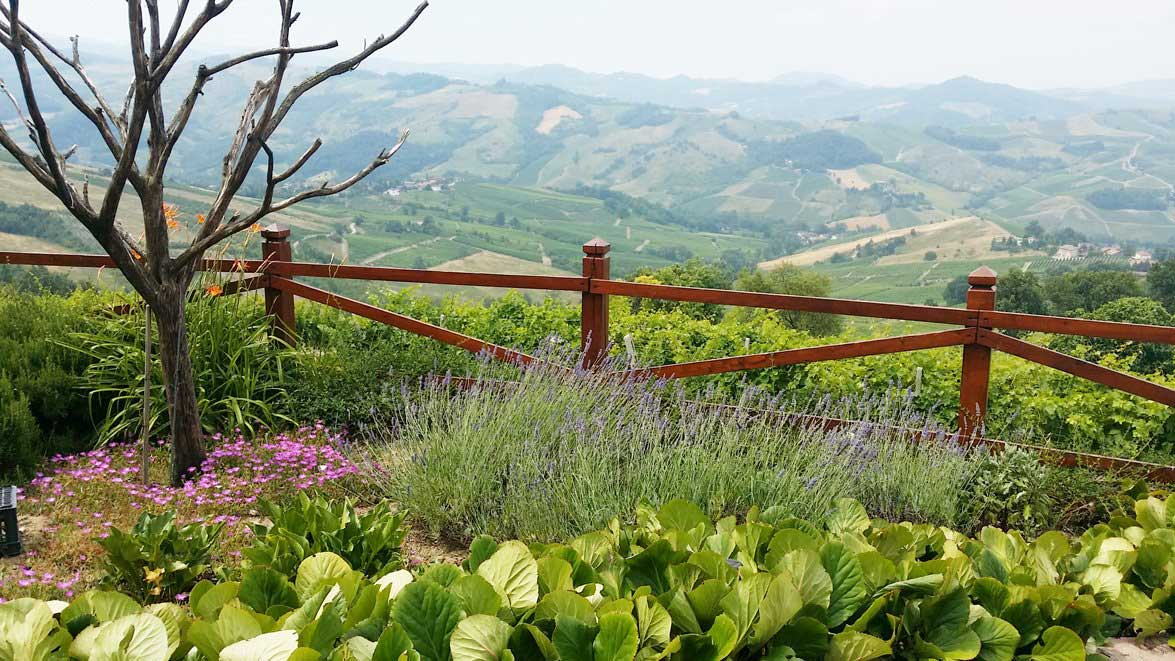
(554,455)
(239,371)
(20,447)
(672,585)
(369,542)
(157,559)
(1010,490)
(42,376)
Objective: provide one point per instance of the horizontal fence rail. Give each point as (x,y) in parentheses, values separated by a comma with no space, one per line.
(978,334)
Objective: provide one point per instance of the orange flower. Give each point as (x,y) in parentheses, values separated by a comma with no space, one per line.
(200,218)
(255,228)
(173,224)
(171,211)
(135,254)
(213,290)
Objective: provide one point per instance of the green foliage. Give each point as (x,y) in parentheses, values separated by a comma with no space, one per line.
(158,559)
(1140,357)
(550,456)
(1089,290)
(1160,282)
(239,372)
(795,280)
(369,542)
(27,220)
(39,378)
(1129,198)
(1020,291)
(818,150)
(1011,490)
(673,584)
(692,273)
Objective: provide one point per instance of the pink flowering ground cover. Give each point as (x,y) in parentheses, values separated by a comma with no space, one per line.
(78,498)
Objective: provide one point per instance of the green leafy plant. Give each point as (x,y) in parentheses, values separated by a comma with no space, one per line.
(370,542)
(673,584)
(158,559)
(239,373)
(1010,489)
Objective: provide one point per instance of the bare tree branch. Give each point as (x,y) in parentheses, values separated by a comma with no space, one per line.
(342,67)
(297,165)
(42,139)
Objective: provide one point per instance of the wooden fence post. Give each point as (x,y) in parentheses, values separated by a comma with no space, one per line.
(593,337)
(279,305)
(976,357)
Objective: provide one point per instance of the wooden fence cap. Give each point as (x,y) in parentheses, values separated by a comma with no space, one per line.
(982,277)
(597,247)
(276,231)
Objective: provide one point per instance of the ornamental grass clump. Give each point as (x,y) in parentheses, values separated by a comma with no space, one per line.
(558,451)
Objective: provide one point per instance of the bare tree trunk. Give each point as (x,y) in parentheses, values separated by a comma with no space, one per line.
(179,384)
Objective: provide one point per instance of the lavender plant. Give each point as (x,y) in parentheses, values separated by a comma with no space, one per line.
(558,451)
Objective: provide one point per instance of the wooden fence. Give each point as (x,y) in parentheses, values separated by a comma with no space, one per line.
(978,333)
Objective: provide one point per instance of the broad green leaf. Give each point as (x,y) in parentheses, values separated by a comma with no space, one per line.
(477,595)
(683,515)
(991,594)
(1151,622)
(231,626)
(742,603)
(947,611)
(955,642)
(807,637)
(25,627)
(573,639)
(780,604)
(480,550)
(1104,581)
(321,570)
(1059,644)
(808,576)
(275,646)
(998,639)
(554,574)
(1026,617)
(847,516)
(1151,564)
(848,583)
(785,541)
(725,635)
(513,572)
(567,604)
(706,600)
(141,637)
(1131,601)
(852,645)
(1151,513)
(529,642)
(428,614)
(174,619)
(653,623)
(263,588)
(392,643)
(479,638)
(617,639)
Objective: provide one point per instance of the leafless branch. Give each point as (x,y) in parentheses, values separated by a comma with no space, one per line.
(342,67)
(293,169)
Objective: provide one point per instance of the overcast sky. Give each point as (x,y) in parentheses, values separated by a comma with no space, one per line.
(1028,43)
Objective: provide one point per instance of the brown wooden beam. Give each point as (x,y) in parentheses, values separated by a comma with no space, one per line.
(858,349)
(400,321)
(1077,367)
(928,313)
(1087,327)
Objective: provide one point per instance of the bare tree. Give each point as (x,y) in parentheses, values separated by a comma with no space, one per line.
(160,277)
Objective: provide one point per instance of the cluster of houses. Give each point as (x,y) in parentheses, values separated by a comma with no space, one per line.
(435,184)
(1141,258)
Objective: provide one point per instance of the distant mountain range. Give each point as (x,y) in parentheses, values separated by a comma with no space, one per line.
(805,149)
(815,96)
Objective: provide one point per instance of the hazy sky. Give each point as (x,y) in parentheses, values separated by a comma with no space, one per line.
(1029,43)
